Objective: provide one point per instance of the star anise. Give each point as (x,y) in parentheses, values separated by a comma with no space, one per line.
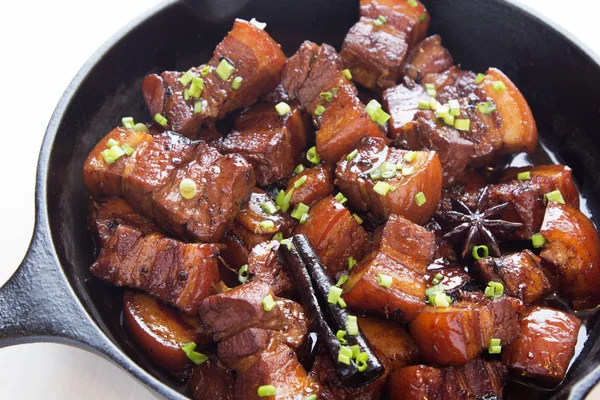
(478,224)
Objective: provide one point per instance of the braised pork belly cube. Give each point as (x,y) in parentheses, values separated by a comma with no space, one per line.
(519,130)
(463,330)
(105,215)
(374,54)
(479,379)
(250,225)
(317,184)
(231,312)
(180,274)
(266,266)
(212,380)
(335,234)
(452,84)
(248,52)
(520,273)
(402,102)
(401,251)
(160,330)
(314,77)
(545,346)
(277,366)
(454,278)
(572,254)
(391,343)
(103,178)
(413,191)
(428,57)
(222,183)
(271,143)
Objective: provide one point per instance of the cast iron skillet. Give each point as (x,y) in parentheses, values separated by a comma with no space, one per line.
(52,296)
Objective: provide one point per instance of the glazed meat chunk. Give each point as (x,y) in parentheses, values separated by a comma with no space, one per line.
(248,51)
(545,346)
(420,176)
(520,273)
(180,274)
(401,250)
(391,343)
(212,380)
(428,57)
(265,265)
(478,379)
(402,102)
(334,234)
(270,142)
(317,184)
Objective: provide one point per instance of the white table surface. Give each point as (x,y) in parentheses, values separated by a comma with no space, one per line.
(43,45)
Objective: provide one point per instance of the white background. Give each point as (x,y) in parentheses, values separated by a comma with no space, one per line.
(43,45)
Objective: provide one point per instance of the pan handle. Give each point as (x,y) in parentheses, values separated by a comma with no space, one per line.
(38,305)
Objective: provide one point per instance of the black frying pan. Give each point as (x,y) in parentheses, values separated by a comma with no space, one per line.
(52,296)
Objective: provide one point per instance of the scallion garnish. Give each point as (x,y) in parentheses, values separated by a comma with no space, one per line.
(139,127)
(300,210)
(462,124)
(259,25)
(380,21)
(243,274)
(266,391)
(449,120)
(299,168)
(420,199)
(407,171)
(127,149)
(351,156)
(283,109)
(424,104)
(198,106)
(267,224)
(341,198)
(384,280)
(225,69)
(319,110)
(423,17)
(160,119)
(555,196)
(205,70)
(343,279)
(480,77)
(312,156)
(494,289)
(495,347)
(237,82)
(388,170)
(538,240)
(269,207)
(301,181)
(340,336)
(194,356)
(345,355)
(498,86)
(128,122)
(480,252)
(352,325)
(410,156)
(111,142)
(430,89)
(186,78)
(454,107)
(187,188)
(268,303)
(382,188)
(347,74)
(486,107)
(357,218)
(361,362)
(351,262)
(524,176)
(437,278)
(335,293)
(412,3)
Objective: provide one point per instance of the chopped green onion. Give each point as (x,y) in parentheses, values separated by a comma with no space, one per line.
(259,25)
(434,104)
(301,181)
(299,169)
(186,78)
(128,122)
(351,156)
(268,303)
(342,303)
(127,149)
(538,240)
(343,279)
(351,261)
(283,199)
(267,224)
(494,289)
(196,89)
(116,152)
(357,218)
(555,196)
(495,347)
(187,188)
(278,236)
(410,156)
(198,106)
(424,105)
(340,336)
(449,120)
(384,280)
(463,124)
(430,89)
(303,218)
(498,86)
(480,77)
(319,110)
(283,109)
(420,199)
(524,176)
(486,107)
(443,111)
(237,82)
(439,300)
(311,397)
(407,171)
(375,174)
(287,243)
(432,291)
(160,119)
(361,362)
(327,96)
(477,255)
(266,391)
(454,107)
(347,74)
(312,156)
(107,158)
(335,293)
(341,198)
(382,188)
(194,356)
(205,70)
(355,350)
(412,3)
(225,69)
(352,325)
(345,355)
(186,94)
(423,17)
(382,117)
(375,111)
(380,21)
(111,142)
(300,210)
(388,170)
(437,278)
(139,127)
(494,342)
(269,207)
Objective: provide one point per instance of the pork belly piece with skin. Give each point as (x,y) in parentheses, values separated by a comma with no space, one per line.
(455,335)
(374,54)
(402,102)
(314,77)
(401,250)
(265,265)
(412,19)
(318,184)
(545,346)
(160,330)
(428,57)
(105,215)
(572,254)
(180,274)
(421,175)
(104,179)
(334,234)
(248,223)
(254,56)
(479,379)
(212,380)
(520,273)
(271,143)
(454,83)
